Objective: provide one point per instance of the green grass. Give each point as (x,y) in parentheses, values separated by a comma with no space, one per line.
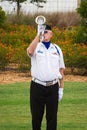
(15,110)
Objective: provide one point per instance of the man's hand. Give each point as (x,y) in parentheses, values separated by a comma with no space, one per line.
(40,29)
(60,94)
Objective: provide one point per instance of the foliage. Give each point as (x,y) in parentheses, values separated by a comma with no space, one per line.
(18,2)
(38,3)
(75,55)
(81,35)
(5,55)
(82,32)
(18,5)
(38,0)
(2,17)
(18,39)
(21,58)
(82,10)
(16,35)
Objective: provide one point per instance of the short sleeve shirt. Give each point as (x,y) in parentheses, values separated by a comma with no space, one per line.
(45,63)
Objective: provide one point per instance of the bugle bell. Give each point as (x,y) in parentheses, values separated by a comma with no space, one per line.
(40,20)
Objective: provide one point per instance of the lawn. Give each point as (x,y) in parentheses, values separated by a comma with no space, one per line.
(15,109)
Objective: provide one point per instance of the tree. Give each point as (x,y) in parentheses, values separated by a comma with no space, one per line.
(36,2)
(2,17)
(81,37)
(82,10)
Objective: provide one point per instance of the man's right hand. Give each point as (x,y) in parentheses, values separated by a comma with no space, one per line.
(40,29)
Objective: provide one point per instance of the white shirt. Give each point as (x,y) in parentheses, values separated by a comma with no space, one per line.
(45,63)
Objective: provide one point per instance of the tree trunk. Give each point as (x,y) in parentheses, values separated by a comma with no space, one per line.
(18,7)
(78,3)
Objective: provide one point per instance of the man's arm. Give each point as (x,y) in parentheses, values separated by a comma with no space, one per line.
(62,79)
(32,46)
(61,84)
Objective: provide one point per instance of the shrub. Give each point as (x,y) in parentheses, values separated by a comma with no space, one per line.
(16,35)
(21,58)
(82,31)
(81,35)
(82,10)
(5,55)
(2,17)
(75,55)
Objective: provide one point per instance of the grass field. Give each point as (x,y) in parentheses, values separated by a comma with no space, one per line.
(15,109)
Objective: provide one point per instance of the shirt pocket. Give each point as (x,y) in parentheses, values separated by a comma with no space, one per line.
(40,57)
(54,60)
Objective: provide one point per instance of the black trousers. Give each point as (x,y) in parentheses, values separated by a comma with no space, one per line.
(41,97)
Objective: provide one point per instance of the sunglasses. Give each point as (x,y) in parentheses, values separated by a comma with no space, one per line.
(45,32)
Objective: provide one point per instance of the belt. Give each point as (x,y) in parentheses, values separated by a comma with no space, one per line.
(45,83)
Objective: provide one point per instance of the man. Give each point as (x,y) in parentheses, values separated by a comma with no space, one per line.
(46,89)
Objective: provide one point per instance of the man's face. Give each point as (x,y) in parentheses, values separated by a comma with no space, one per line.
(47,35)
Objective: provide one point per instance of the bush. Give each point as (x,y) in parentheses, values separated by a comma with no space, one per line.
(82,10)
(5,55)
(81,36)
(75,55)
(21,58)
(16,35)
(2,17)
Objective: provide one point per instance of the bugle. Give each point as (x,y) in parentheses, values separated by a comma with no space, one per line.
(40,20)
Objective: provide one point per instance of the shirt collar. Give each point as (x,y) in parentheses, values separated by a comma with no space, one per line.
(51,45)
(46,44)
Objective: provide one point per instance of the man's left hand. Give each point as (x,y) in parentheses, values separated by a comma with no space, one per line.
(60,94)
